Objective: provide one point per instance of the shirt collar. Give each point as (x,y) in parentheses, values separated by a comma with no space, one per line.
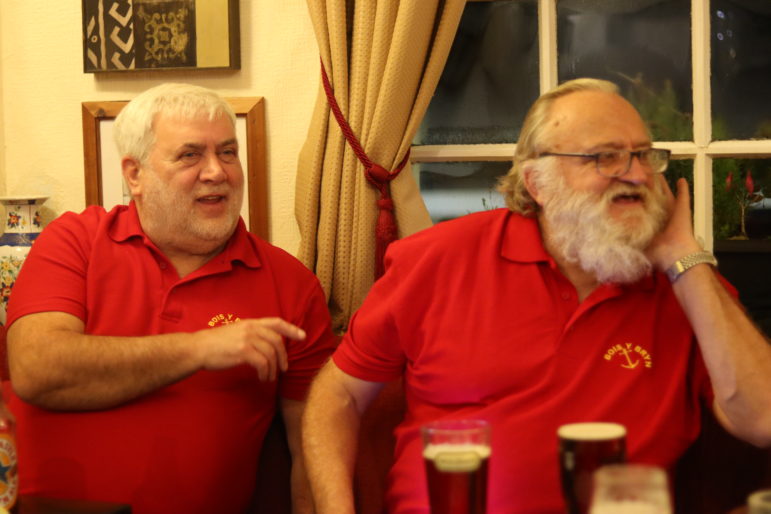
(240,247)
(125,223)
(521,240)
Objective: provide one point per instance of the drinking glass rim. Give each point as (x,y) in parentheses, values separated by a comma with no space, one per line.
(763,495)
(456,431)
(455,425)
(615,472)
(591,431)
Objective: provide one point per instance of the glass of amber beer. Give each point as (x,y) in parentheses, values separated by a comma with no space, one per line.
(583,448)
(456,455)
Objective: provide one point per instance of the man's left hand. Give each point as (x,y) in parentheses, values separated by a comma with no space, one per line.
(676,240)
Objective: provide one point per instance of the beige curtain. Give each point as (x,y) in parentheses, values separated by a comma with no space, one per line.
(384,59)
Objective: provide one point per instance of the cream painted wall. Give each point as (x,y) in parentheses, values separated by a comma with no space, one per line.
(2,123)
(42,85)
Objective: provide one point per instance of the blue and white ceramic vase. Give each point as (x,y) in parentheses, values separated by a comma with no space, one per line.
(22,224)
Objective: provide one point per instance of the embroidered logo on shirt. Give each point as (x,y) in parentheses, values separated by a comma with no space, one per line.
(223,319)
(629,356)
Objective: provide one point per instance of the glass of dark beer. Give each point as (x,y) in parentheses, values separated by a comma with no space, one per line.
(456,455)
(583,448)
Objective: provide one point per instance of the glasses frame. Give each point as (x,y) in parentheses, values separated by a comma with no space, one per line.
(596,158)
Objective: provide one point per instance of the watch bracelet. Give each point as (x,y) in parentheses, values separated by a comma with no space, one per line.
(683,264)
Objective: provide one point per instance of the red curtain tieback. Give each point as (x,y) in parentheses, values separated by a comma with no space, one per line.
(385,229)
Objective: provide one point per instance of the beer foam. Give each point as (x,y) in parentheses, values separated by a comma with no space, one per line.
(591,431)
(629,507)
(432,450)
(456,457)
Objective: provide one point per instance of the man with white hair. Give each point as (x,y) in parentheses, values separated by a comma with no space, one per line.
(588,299)
(151,345)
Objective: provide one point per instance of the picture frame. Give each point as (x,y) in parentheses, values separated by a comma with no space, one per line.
(140,35)
(104,183)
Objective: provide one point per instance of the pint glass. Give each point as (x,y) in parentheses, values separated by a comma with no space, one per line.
(759,502)
(583,448)
(456,455)
(630,489)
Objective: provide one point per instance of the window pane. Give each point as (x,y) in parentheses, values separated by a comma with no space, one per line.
(680,168)
(740,198)
(741,69)
(453,189)
(742,229)
(644,46)
(490,79)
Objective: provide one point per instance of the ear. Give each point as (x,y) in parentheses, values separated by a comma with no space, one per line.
(131,169)
(528,175)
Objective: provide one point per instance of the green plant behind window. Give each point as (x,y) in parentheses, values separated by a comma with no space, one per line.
(734,196)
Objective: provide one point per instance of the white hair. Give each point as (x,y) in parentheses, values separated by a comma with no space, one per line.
(134,130)
(532,139)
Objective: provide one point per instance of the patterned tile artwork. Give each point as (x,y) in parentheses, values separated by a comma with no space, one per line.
(141,34)
(165,34)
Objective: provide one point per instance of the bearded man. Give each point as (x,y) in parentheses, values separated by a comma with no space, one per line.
(150,346)
(589,299)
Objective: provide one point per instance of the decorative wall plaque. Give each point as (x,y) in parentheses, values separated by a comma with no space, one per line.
(124,35)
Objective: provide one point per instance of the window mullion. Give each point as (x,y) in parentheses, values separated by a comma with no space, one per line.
(758,148)
(547,44)
(460,153)
(700,45)
(679,149)
(702,198)
(702,121)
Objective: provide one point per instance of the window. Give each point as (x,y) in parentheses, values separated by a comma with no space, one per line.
(698,70)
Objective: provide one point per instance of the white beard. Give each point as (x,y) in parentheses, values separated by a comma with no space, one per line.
(581,228)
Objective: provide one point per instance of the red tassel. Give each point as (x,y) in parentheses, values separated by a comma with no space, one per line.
(386,222)
(385,233)
(385,227)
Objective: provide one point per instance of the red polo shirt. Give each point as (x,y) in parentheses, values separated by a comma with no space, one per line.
(189,447)
(478,318)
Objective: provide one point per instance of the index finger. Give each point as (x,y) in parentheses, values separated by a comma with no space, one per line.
(683,198)
(284,328)
(287,330)
(665,189)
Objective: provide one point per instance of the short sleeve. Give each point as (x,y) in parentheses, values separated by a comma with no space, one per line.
(308,356)
(372,348)
(53,276)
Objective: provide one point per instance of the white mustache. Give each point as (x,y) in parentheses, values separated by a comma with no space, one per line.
(626,190)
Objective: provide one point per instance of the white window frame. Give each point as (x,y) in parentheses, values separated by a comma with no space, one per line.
(701,149)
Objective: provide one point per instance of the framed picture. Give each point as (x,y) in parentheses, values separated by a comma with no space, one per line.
(125,35)
(104,181)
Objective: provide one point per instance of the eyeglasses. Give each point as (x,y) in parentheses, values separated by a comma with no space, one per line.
(615,163)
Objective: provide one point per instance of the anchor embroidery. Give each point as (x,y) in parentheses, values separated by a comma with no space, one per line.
(629,364)
(630,355)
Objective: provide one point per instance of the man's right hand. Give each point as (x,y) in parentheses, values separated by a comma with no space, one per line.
(55,365)
(257,342)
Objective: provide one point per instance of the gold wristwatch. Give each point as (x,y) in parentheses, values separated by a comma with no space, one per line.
(682,265)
